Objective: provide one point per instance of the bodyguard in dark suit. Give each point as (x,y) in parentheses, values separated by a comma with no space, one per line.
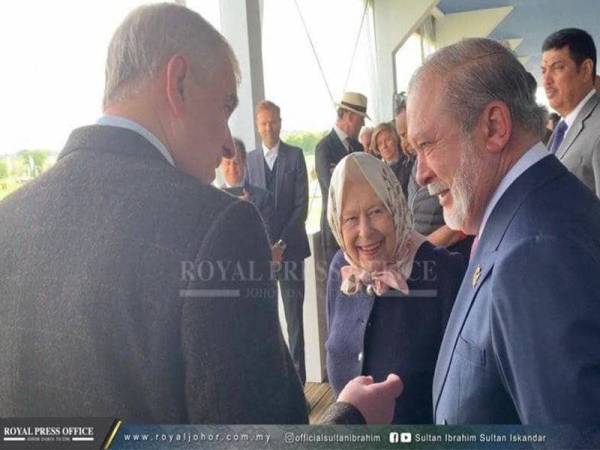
(569,73)
(280,169)
(342,140)
(522,344)
(131,288)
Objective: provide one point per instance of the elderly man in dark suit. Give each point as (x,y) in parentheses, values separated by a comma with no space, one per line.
(127,284)
(569,74)
(280,169)
(342,140)
(522,344)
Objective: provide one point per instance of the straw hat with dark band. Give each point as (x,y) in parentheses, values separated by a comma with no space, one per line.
(355,102)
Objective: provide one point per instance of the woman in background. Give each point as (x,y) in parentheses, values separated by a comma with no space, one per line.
(386,143)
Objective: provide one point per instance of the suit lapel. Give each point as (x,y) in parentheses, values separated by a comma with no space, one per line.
(337,145)
(282,160)
(477,272)
(258,176)
(577,126)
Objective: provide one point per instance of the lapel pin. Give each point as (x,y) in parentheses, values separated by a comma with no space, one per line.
(476,275)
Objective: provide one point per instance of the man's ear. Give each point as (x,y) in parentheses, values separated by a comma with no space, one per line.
(496,126)
(588,68)
(176,72)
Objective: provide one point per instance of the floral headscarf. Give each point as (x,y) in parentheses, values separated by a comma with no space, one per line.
(378,176)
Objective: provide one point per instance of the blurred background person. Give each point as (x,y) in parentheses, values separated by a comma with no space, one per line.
(371,330)
(568,74)
(385,142)
(280,168)
(364,137)
(233,171)
(400,122)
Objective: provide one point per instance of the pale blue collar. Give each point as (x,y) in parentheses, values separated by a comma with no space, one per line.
(122,122)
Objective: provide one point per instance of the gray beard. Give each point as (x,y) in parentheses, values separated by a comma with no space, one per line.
(463,189)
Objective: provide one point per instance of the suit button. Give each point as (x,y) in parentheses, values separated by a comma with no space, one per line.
(360,357)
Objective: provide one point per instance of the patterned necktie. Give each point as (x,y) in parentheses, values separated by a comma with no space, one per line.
(558,136)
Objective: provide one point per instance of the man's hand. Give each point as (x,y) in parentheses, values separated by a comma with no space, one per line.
(277,253)
(245,195)
(375,401)
(445,237)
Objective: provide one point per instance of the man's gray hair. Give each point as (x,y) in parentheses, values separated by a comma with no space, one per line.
(478,71)
(149,36)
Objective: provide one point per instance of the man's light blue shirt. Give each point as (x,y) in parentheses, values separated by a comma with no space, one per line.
(122,122)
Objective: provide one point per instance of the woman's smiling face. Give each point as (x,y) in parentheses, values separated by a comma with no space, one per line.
(367,227)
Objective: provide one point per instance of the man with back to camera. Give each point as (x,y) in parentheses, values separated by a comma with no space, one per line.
(522,344)
(280,169)
(351,113)
(104,310)
(569,74)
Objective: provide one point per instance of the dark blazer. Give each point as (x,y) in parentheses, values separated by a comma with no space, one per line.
(291,197)
(261,198)
(522,344)
(102,313)
(394,333)
(580,149)
(328,153)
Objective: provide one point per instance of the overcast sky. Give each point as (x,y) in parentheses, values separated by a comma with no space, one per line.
(54,51)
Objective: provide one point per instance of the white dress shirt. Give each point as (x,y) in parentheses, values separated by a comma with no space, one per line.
(343,137)
(270,154)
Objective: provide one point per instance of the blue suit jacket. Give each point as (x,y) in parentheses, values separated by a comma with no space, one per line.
(393,333)
(522,344)
(291,197)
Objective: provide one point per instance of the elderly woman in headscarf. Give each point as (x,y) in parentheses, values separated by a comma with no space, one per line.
(389,291)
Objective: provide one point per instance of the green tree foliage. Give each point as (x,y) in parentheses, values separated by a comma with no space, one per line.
(306,140)
(3,169)
(35,158)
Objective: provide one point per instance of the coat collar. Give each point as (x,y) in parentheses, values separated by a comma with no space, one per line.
(109,139)
(336,144)
(482,262)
